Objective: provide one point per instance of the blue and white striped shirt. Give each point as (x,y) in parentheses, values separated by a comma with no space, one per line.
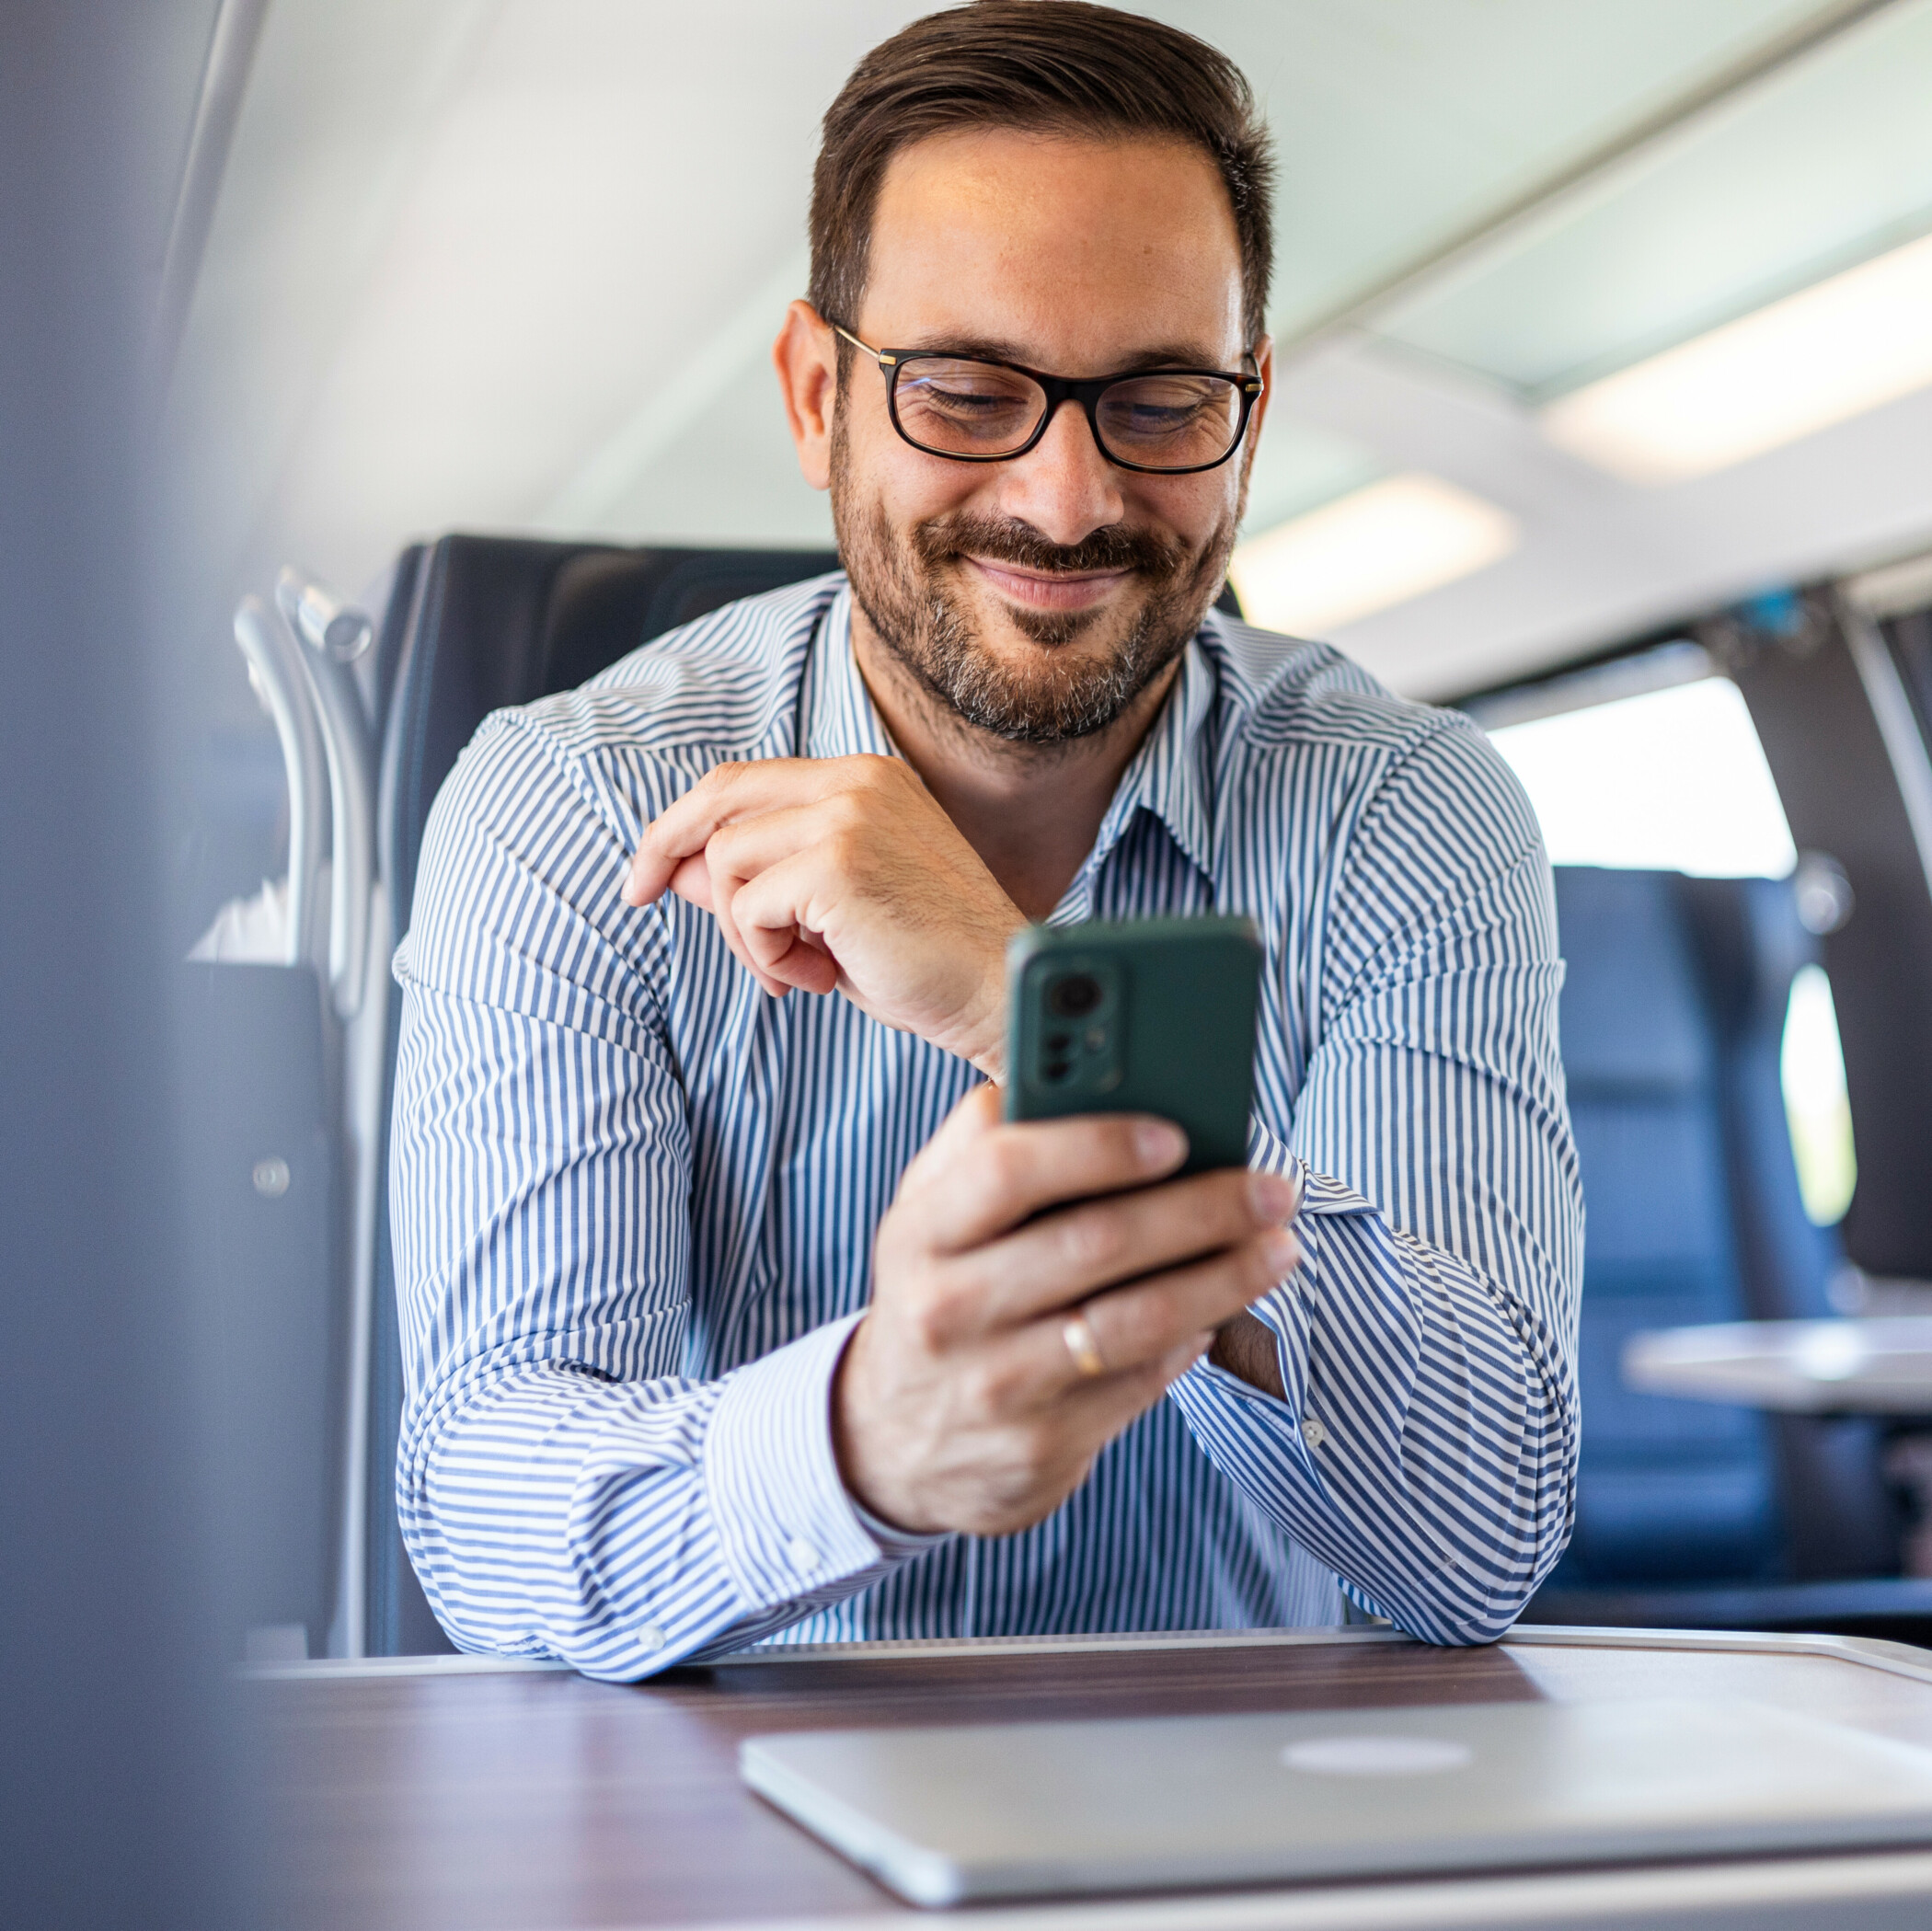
(634,1198)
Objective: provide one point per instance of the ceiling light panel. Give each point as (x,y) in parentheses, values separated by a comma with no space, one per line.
(1823,163)
(1369,551)
(1817,358)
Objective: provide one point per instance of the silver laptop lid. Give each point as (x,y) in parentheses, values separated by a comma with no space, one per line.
(946,1815)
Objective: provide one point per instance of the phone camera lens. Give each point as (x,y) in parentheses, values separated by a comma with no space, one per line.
(1075,997)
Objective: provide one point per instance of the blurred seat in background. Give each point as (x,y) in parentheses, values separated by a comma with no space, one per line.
(1691,1514)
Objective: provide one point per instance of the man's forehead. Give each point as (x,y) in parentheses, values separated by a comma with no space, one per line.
(996,240)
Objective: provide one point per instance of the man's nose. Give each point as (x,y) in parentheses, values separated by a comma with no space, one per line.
(1063,487)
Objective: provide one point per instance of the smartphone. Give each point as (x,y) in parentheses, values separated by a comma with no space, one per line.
(1146,1015)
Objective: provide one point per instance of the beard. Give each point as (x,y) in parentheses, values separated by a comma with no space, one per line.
(908,585)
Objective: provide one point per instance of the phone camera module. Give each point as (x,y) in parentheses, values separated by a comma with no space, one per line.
(1075,997)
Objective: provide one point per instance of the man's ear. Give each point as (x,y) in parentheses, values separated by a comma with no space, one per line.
(806,357)
(1264,362)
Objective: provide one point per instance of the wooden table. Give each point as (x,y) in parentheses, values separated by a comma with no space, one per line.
(439,1793)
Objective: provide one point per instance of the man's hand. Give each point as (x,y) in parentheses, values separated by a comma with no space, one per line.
(960,1404)
(843,873)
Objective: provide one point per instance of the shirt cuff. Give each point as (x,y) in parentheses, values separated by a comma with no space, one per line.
(896,1545)
(785,1524)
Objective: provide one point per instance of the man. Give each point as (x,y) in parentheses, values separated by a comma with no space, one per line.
(730,1306)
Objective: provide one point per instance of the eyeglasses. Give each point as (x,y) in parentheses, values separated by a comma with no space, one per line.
(1164,423)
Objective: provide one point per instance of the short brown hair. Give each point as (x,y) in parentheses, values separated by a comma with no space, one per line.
(1048,67)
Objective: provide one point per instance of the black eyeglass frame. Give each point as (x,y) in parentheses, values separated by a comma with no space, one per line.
(1085,391)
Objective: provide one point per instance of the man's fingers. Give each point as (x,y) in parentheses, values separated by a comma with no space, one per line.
(1133,1326)
(1088,1413)
(779,898)
(1134,1333)
(1008,1172)
(1082,1249)
(766,879)
(748,847)
(691,879)
(683,828)
(695,880)
(788,960)
(977,1115)
(1086,1418)
(723,795)
(778,957)
(771,923)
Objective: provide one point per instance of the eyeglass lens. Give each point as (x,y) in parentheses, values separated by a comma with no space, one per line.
(959,407)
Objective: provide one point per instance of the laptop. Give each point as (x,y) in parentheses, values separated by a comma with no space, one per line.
(944,1816)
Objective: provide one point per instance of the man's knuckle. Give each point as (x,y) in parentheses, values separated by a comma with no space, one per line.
(1009,1161)
(989,1515)
(990,1387)
(1262,1269)
(1236,1203)
(934,1319)
(1091,1242)
(1120,1323)
(847,811)
(1035,1452)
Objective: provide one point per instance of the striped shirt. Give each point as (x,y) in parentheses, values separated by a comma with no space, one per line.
(634,1198)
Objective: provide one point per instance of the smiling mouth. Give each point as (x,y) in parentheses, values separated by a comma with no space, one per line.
(1049,589)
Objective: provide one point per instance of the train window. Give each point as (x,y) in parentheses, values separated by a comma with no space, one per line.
(1815,1099)
(1676,779)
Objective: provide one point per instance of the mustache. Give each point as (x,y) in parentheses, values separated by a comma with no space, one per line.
(1007,540)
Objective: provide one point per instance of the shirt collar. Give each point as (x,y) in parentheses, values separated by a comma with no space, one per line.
(1168,773)
(839,717)
(1168,776)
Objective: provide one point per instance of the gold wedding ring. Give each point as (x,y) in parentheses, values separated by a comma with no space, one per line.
(1081,1345)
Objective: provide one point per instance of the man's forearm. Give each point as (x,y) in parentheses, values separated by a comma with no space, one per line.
(623,1527)
(1421,1446)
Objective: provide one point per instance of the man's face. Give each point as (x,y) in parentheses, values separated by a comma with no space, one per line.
(1037,597)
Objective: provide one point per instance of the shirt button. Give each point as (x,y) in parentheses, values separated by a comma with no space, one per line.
(801,1556)
(1313,1432)
(650,1638)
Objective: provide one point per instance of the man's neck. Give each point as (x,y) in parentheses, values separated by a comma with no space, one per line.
(1031,811)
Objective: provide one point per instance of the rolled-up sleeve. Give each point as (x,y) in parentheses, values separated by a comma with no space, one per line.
(1426,1447)
(563,1490)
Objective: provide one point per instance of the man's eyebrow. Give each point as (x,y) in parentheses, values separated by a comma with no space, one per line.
(1176,355)
(998,348)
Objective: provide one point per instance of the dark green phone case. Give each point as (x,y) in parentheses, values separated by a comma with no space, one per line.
(1147,1015)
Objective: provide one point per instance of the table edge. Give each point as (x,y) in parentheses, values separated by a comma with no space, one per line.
(1862,1652)
(1532,1901)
